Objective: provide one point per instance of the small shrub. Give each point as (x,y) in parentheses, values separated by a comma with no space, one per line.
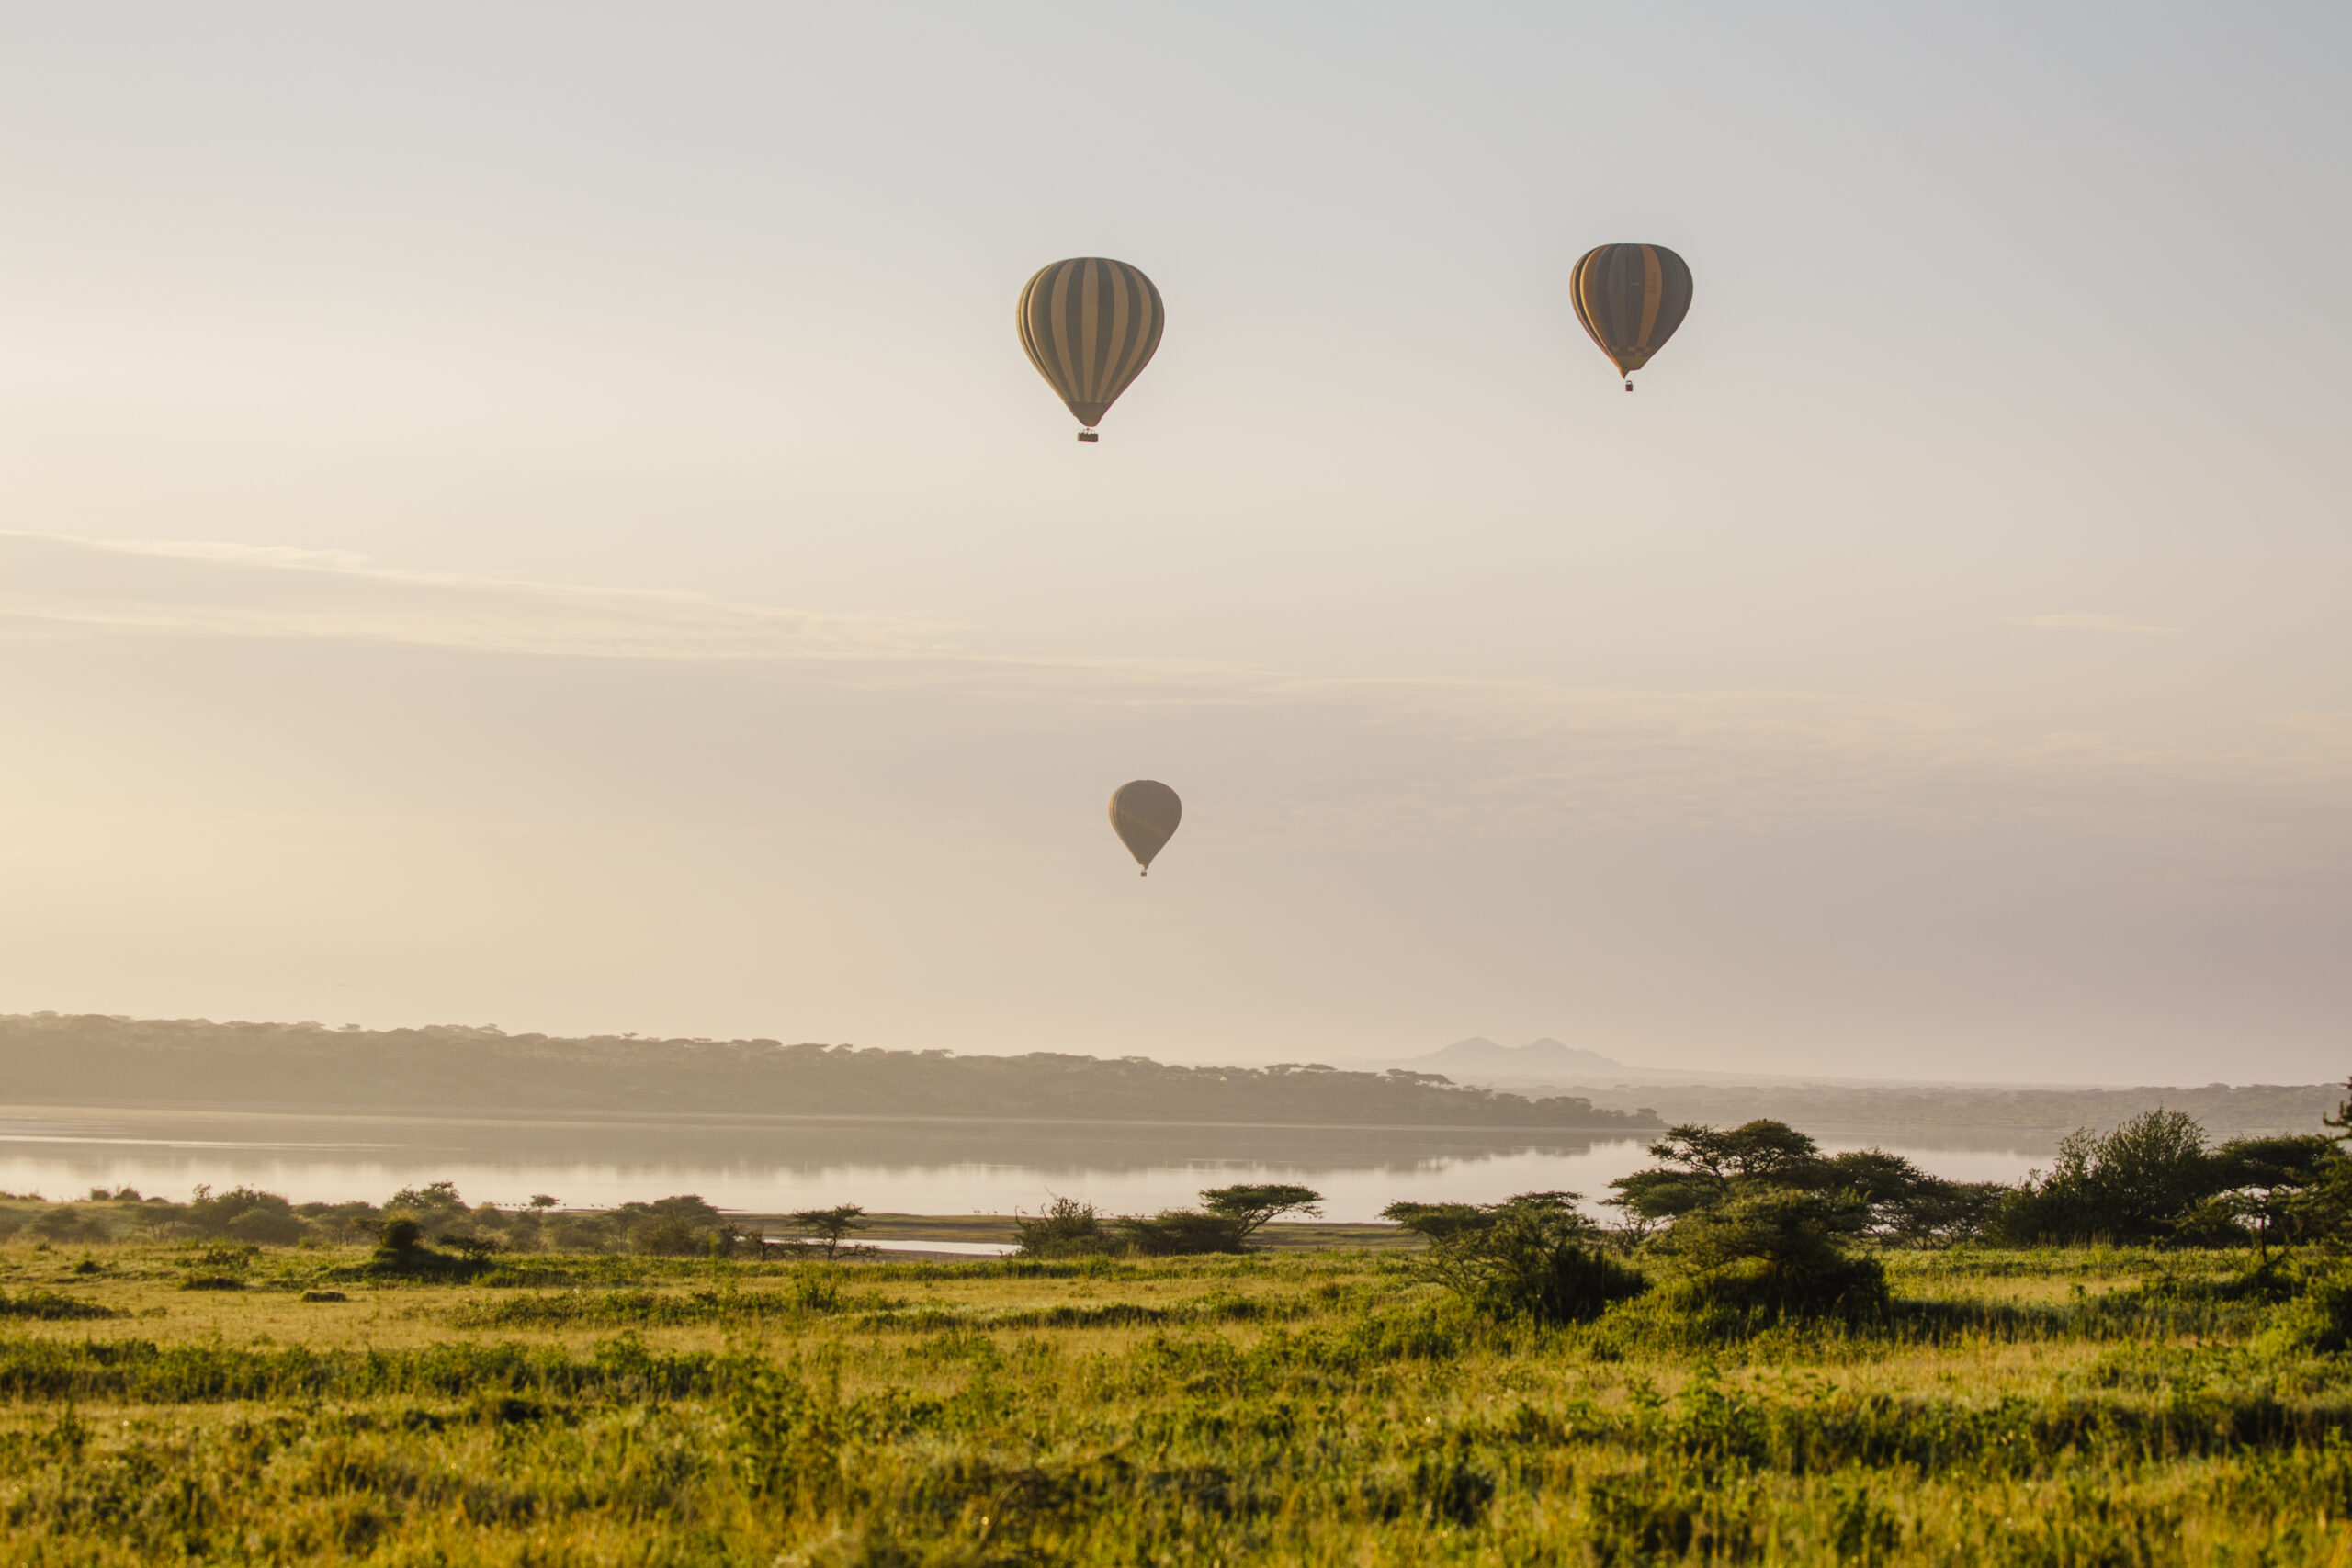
(52,1306)
(65,1223)
(401,1249)
(436,1203)
(678,1227)
(1534,1256)
(1181,1232)
(1772,1251)
(2266,1281)
(267,1227)
(1067,1229)
(218,1260)
(669,1237)
(403,1236)
(580,1232)
(243,1214)
(2320,1319)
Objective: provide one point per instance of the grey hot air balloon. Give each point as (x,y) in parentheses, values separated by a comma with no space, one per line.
(1630,297)
(1089,325)
(1143,814)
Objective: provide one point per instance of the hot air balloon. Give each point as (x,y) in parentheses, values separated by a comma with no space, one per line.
(1143,814)
(1090,326)
(1631,298)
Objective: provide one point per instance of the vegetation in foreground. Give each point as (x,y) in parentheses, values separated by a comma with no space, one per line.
(2075,1405)
(1778,1356)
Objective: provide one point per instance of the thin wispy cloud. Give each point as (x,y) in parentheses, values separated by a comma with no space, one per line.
(2087,621)
(233,590)
(1482,756)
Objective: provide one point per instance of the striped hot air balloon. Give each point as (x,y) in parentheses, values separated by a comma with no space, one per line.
(1631,298)
(1089,325)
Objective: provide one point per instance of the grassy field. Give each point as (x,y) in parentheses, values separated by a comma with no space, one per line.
(233,1406)
(1281,1235)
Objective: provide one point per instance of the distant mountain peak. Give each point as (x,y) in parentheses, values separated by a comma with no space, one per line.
(1546,1055)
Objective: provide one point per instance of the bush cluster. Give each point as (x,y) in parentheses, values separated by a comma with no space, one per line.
(2155,1180)
(435,1213)
(1226,1221)
(1534,1256)
(1876,1193)
(1756,1222)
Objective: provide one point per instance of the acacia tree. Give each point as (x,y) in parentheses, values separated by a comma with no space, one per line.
(1068,1229)
(2265,1185)
(1248,1208)
(1226,1219)
(1699,1166)
(435,1199)
(829,1227)
(1901,1203)
(1703,1169)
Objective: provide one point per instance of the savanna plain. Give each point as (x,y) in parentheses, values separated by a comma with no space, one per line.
(231,1402)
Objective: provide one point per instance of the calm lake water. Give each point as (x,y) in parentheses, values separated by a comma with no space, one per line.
(767,1165)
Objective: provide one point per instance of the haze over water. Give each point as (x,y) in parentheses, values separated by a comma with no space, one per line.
(766,1166)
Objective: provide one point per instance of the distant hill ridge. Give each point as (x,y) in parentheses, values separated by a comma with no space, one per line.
(96,1057)
(2037,1112)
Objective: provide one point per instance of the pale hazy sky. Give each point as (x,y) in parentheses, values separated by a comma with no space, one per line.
(536,515)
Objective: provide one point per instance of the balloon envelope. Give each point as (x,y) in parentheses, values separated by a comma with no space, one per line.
(1630,297)
(1089,325)
(1143,814)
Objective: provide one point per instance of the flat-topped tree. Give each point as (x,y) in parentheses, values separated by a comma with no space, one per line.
(1702,1166)
(830,1226)
(1247,1207)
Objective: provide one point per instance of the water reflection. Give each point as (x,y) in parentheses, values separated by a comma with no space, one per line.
(770,1164)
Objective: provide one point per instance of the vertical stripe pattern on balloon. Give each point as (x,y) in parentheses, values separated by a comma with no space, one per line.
(1630,298)
(1089,325)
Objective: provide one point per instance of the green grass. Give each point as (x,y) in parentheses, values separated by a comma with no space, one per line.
(2062,1408)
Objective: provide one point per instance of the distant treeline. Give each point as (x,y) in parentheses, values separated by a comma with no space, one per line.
(2227,1111)
(91,1057)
